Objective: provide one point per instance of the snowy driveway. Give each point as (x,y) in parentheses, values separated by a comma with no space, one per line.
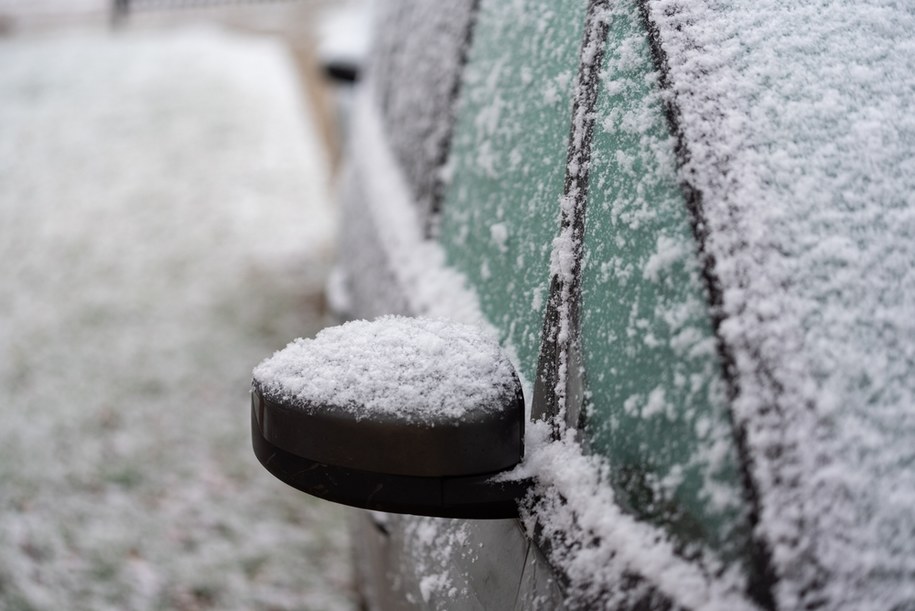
(163,227)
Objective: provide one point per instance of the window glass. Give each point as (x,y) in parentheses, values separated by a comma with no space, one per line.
(415,82)
(501,207)
(655,401)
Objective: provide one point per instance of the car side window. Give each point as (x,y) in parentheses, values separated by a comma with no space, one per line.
(500,211)
(655,402)
(416,79)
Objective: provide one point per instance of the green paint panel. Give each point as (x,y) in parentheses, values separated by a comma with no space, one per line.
(655,400)
(501,208)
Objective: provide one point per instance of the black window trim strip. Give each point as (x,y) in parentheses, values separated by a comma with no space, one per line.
(762,576)
(434,214)
(555,401)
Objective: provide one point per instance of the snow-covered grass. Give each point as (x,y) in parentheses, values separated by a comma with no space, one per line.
(163,226)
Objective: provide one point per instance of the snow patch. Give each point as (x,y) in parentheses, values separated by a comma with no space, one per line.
(598,543)
(164,218)
(414,367)
(498,233)
(800,138)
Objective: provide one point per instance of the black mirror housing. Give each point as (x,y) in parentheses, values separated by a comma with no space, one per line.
(399,414)
(341,71)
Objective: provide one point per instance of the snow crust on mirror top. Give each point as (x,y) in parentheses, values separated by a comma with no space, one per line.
(418,368)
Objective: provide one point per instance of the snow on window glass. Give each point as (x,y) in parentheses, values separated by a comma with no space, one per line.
(500,212)
(611,552)
(415,73)
(656,405)
(799,134)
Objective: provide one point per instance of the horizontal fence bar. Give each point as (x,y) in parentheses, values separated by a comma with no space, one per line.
(126,6)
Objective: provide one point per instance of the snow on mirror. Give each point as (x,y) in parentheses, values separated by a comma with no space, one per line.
(409,415)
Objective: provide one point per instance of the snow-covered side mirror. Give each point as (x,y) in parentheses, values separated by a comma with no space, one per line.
(408,415)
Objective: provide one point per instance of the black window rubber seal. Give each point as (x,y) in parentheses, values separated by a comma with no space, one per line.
(437,197)
(546,400)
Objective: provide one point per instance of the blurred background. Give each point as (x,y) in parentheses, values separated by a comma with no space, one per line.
(166,222)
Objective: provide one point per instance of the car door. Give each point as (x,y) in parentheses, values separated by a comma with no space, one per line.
(563,151)
(528,172)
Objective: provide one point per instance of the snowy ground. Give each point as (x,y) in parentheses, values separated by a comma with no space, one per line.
(163,226)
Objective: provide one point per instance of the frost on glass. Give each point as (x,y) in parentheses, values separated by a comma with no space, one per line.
(655,402)
(501,207)
(415,73)
(801,134)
